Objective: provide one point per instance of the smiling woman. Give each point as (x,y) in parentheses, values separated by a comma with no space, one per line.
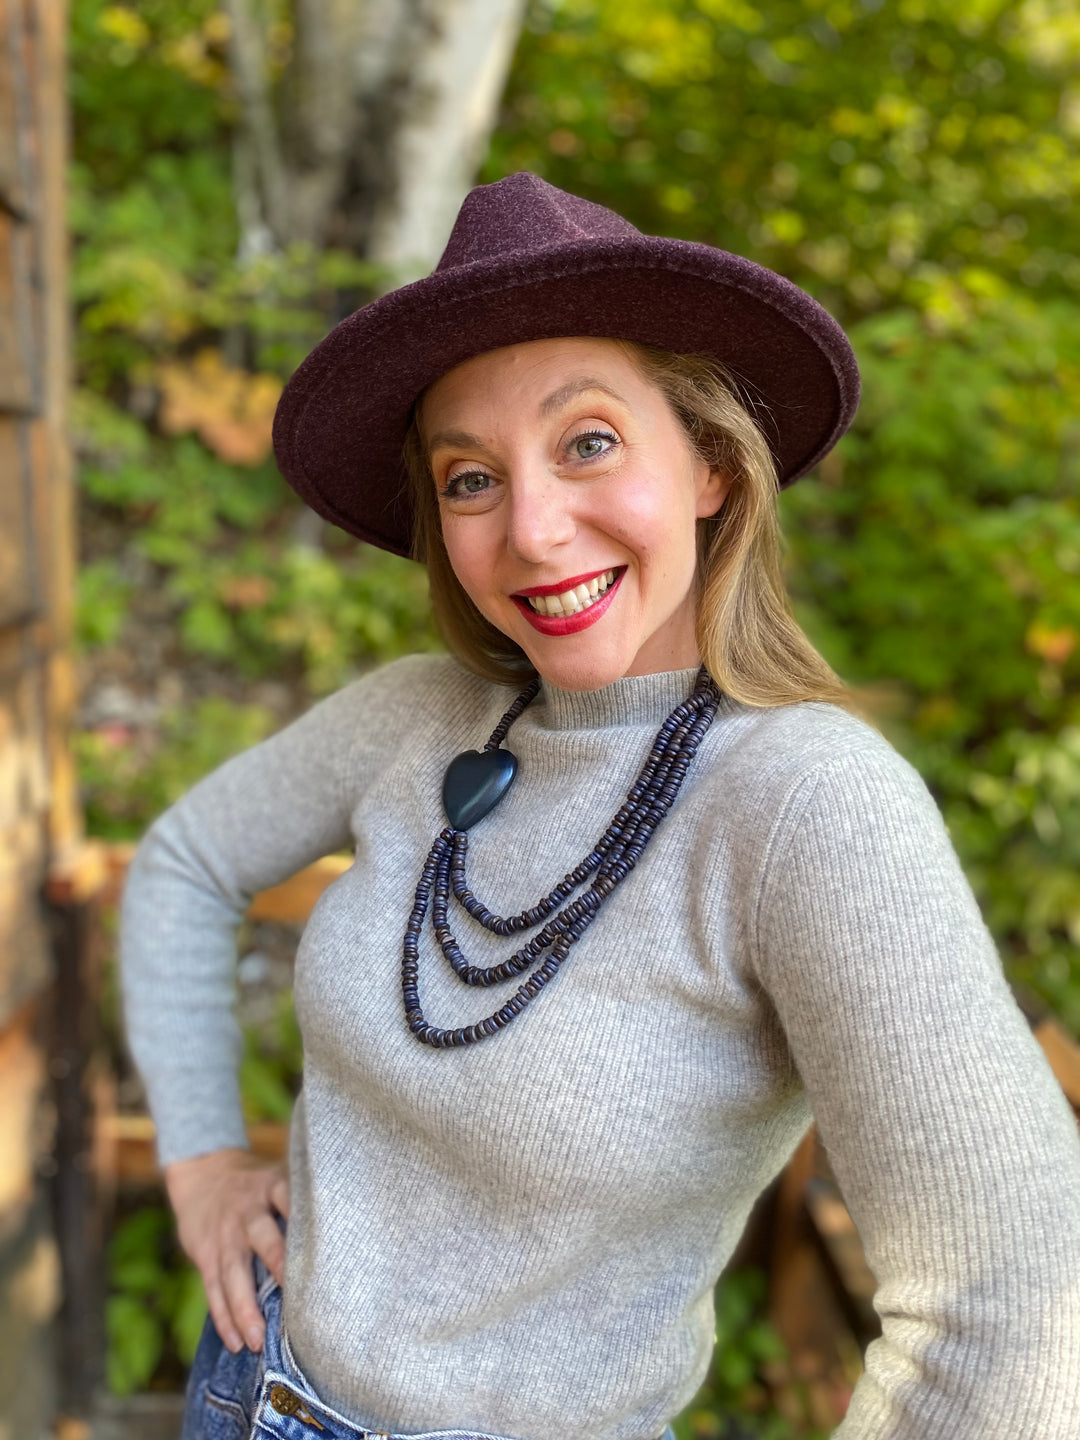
(735,907)
(678,459)
(567,485)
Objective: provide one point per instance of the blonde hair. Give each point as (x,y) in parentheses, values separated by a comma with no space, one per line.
(747,635)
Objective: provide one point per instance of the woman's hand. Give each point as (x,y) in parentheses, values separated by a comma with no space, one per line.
(224,1204)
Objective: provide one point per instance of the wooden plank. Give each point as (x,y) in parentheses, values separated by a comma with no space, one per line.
(74,1047)
(813,1385)
(55,521)
(18,600)
(25,958)
(130,1139)
(24,781)
(25,963)
(80,875)
(13,101)
(839,1238)
(17,107)
(289,903)
(39,813)
(29,1297)
(17,350)
(1063,1053)
(22,1085)
(293,901)
(29,1271)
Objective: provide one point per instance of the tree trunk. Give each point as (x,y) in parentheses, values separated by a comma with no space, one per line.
(374,134)
(452,101)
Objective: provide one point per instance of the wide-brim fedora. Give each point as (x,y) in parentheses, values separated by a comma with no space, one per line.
(527,261)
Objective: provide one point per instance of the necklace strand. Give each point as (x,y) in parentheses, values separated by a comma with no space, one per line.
(614,857)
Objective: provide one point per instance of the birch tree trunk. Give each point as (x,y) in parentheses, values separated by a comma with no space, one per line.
(435,151)
(374,133)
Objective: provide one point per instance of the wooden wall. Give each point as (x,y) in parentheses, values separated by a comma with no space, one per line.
(47,874)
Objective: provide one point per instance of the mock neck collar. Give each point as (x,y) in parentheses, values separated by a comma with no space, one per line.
(633,700)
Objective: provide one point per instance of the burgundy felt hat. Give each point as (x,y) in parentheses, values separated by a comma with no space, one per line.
(527,261)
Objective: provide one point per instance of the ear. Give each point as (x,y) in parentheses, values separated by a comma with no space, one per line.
(713,485)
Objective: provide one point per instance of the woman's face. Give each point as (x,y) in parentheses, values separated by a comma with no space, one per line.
(569,495)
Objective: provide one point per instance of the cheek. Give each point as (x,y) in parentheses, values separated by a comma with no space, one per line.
(654,517)
(471,556)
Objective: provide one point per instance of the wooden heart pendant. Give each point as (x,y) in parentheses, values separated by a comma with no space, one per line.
(476,780)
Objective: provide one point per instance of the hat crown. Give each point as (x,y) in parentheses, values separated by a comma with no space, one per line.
(521,215)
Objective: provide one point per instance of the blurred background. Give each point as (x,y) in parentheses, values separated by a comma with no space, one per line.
(241,174)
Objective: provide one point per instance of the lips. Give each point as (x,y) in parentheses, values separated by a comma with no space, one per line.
(569,596)
(571,605)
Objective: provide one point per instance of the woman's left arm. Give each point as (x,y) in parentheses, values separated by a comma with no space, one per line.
(956,1151)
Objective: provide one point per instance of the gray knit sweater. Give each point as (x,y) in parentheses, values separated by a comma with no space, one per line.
(523,1236)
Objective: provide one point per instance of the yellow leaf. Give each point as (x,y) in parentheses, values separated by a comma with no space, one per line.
(1052,644)
(230,410)
(123,24)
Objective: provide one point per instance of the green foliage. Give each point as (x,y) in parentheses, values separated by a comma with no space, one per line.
(237,586)
(128,781)
(101,604)
(921,152)
(940,555)
(272,1065)
(180,535)
(733,1404)
(155,1300)
(156,1304)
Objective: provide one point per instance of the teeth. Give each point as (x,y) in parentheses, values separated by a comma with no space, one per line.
(572,602)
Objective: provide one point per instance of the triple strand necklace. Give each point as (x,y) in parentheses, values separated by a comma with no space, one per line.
(475,782)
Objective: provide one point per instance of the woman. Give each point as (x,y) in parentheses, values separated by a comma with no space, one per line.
(510,1199)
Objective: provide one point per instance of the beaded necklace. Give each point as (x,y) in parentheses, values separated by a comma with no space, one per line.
(475,782)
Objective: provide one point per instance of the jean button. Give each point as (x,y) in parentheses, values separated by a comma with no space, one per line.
(284,1401)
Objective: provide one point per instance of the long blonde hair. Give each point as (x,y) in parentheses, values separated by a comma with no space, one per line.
(747,635)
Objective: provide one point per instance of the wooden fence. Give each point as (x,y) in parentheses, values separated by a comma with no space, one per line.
(48,875)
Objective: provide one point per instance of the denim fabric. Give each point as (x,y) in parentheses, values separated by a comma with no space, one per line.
(263,1394)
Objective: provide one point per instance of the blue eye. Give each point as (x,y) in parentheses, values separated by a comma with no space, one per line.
(468,482)
(590,444)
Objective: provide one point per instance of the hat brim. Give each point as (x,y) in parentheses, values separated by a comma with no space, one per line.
(343,416)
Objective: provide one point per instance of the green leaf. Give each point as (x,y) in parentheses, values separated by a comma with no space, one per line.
(135,1339)
(189,1313)
(206,629)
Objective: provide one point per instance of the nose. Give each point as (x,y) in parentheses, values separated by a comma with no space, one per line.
(540,516)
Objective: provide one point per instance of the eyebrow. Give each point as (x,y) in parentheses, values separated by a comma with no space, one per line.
(463,439)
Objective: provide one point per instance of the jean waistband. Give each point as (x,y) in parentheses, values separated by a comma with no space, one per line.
(286,1405)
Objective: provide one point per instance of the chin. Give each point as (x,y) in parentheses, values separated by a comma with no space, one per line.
(579,672)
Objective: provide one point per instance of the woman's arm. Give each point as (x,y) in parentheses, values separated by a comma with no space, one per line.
(955,1149)
(256,820)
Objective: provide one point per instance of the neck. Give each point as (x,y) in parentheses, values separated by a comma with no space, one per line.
(630,700)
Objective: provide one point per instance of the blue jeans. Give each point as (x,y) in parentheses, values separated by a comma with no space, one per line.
(264,1395)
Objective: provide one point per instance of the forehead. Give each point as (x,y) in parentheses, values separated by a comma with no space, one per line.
(534,369)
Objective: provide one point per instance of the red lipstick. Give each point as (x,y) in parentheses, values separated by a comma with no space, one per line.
(564,585)
(567,624)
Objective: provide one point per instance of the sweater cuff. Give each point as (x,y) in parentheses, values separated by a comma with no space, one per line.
(195,1112)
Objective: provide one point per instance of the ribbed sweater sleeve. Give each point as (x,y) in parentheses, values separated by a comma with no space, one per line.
(253,822)
(954,1147)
